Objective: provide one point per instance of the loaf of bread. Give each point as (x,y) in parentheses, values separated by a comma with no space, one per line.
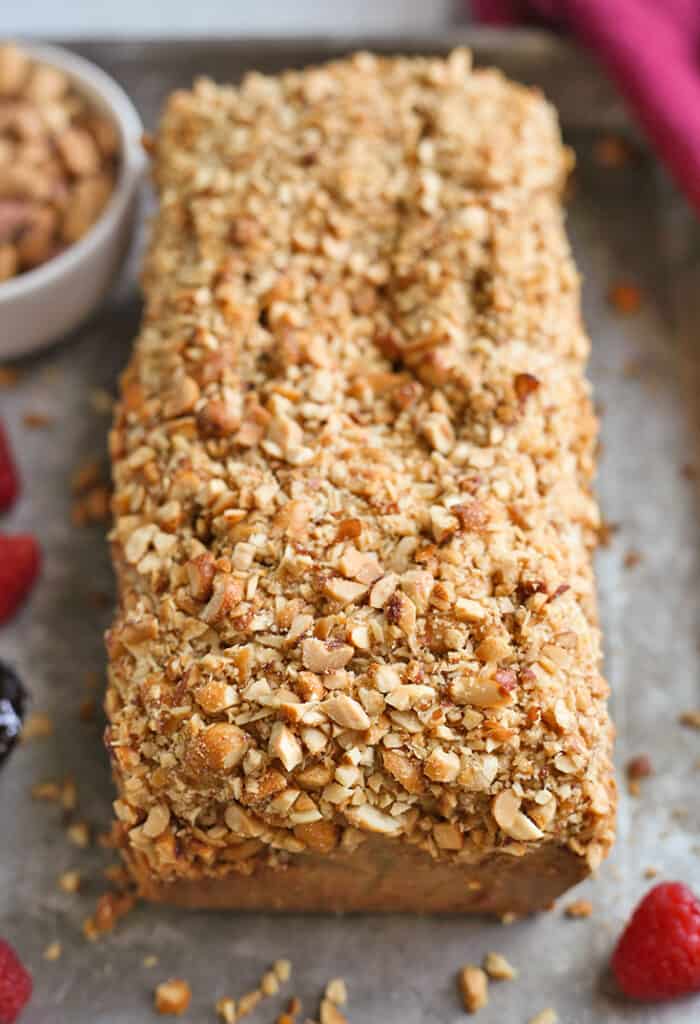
(356,662)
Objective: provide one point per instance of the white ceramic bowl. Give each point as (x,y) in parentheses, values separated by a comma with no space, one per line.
(42,305)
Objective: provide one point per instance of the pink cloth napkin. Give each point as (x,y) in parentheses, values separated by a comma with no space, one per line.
(651,48)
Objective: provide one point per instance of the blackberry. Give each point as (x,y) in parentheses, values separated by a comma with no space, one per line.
(13,704)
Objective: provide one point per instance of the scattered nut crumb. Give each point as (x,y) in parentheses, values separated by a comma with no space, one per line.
(53,951)
(9,377)
(330,1014)
(248,1002)
(111,906)
(473,986)
(37,726)
(508,918)
(87,710)
(36,420)
(283,969)
(86,475)
(337,992)
(639,767)
(101,401)
(651,872)
(269,984)
(150,960)
(172,997)
(691,718)
(611,151)
(498,968)
(79,834)
(226,1010)
(579,908)
(93,506)
(50,791)
(69,881)
(548,1016)
(69,795)
(632,559)
(625,297)
(606,532)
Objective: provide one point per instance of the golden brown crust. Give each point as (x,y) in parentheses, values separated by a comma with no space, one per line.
(352,463)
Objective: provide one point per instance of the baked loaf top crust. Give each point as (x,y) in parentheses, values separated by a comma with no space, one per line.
(352,463)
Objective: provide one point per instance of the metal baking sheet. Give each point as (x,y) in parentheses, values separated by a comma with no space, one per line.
(626,223)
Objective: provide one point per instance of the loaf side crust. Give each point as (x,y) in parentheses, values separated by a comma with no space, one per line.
(353,513)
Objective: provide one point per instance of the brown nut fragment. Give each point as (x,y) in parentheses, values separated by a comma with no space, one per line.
(330,1014)
(579,908)
(473,987)
(548,1016)
(227,593)
(172,997)
(319,656)
(200,574)
(215,751)
(498,968)
(625,297)
(319,836)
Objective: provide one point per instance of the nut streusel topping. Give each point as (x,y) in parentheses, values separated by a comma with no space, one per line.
(352,464)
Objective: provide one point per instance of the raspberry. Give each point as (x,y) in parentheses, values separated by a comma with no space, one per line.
(19,565)
(658,955)
(9,480)
(15,984)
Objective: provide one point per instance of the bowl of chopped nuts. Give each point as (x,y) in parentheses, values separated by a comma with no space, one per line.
(71,163)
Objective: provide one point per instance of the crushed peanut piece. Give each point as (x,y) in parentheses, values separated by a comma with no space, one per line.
(9,377)
(283,969)
(37,726)
(36,420)
(172,997)
(498,968)
(269,984)
(625,297)
(632,559)
(330,1014)
(248,1002)
(50,791)
(336,991)
(579,908)
(79,834)
(474,988)
(611,151)
(150,960)
(548,1016)
(53,951)
(638,768)
(691,718)
(69,881)
(226,1010)
(110,908)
